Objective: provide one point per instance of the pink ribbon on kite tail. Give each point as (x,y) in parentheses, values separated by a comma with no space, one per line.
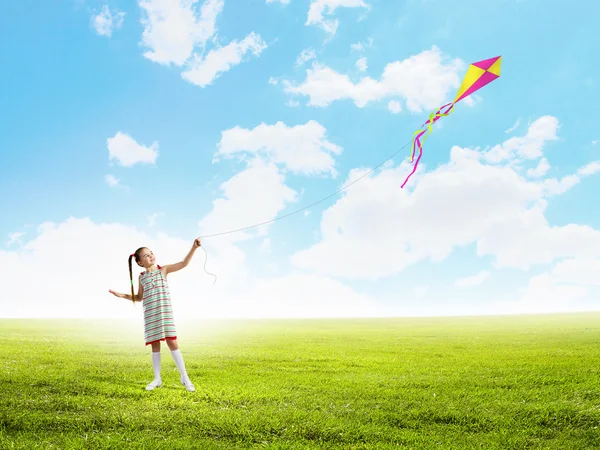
(433,118)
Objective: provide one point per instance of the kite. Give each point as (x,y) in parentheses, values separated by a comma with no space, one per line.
(478,75)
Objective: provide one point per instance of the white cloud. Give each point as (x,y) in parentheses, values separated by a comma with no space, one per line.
(239,207)
(203,70)
(529,146)
(361,64)
(377,229)
(106,22)
(473,280)
(173,28)
(514,127)
(112,181)
(582,271)
(542,169)
(394,106)
(128,152)
(55,255)
(152,218)
(14,238)
(177,31)
(283,2)
(317,9)
(236,294)
(543,291)
(301,148)
(589,169)
(554,187)
(265,244)
(360,46)
(543,294)
(422,81)
(532,240)
(558,289)
(594,142)
(65,287)
(305,296)
(305,55)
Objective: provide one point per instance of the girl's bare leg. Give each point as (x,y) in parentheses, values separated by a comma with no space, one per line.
(172,344)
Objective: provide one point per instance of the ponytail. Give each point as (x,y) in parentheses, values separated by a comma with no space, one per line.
(133,255)
(131,278)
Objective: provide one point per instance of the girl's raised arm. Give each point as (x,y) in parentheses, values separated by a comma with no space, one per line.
(170,268)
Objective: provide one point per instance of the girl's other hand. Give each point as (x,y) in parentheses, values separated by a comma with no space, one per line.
(197,243)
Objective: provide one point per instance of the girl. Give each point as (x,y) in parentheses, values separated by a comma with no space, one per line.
(153,291)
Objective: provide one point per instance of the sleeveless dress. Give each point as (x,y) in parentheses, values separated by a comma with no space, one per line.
(156,303)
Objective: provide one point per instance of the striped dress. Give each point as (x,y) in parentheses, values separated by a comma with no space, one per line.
(156,303)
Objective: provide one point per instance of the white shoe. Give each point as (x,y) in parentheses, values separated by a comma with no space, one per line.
(188,385)
(155,383)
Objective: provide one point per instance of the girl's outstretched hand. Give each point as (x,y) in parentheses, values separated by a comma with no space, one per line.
(197,243)
(116,294)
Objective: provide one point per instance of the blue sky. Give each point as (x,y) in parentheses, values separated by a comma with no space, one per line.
(80,73)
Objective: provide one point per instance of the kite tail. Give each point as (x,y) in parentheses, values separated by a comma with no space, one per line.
(433,117)
(418,135)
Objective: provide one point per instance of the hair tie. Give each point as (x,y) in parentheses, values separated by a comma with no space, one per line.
(133,254)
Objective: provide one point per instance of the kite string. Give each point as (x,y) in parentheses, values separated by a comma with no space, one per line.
(433,117)
(205,260)
(346,186)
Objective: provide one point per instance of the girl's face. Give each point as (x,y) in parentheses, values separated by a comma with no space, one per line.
(146,258)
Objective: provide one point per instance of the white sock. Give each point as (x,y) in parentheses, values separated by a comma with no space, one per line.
(179,363)
(156,365)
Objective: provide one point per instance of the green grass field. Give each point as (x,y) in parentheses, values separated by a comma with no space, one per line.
(518,382)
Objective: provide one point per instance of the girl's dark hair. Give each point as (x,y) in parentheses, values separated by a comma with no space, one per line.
(135,255)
